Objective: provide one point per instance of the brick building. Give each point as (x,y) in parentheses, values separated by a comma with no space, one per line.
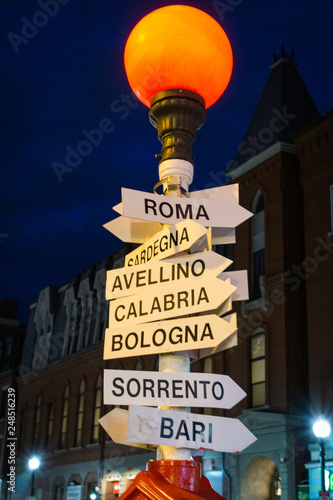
(284,355)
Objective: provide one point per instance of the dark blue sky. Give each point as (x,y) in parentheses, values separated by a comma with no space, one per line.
(66,75)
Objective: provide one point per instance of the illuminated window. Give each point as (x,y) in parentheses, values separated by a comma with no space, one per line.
(258,245)
(79,416)
(258,370)
(49,427)
(64,419)
(97,410)
(36,427)
(331,206)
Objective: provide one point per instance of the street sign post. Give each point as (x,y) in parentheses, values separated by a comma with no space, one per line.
(207,211)
(181,334)
(187,430)
(130,387)
(171,301)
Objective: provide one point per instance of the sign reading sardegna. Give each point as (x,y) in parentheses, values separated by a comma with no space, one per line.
(172,275)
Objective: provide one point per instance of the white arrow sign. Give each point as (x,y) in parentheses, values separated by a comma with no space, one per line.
(198,332)
(143,277)
(138,231)
(187,430)
(167,210)
(115,424)
(184,236)
(130,387)
(172,301)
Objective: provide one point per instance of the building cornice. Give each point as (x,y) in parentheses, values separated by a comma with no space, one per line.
(278,147)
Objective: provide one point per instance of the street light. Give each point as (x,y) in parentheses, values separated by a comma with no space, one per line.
(33,465)
(322,430)
(178,62)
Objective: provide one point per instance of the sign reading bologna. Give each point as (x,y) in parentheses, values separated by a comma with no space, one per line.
(170,389)
(187,430)
(181,334)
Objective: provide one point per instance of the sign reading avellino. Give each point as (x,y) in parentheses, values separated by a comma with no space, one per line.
(181,334)
(132,280)
(172,301)
(170,389)
(208,212)
(174,239)
(187,430)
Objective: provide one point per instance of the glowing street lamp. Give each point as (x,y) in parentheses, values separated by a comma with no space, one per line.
(178,61)
(33,465)
(322,430)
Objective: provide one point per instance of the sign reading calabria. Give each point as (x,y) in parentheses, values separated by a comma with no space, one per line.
(170,389)
(171,301)
(187,430)
(157,208)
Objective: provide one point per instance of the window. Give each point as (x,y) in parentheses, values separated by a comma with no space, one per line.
(64,419)
(49,427)
(59,492)
(258,245)
(97,410)
(331,206)
(258,370)
(36,426)
(79,416)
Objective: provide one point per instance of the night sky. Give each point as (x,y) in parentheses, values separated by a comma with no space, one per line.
(66,75)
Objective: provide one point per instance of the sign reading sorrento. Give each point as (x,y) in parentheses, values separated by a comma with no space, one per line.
(170,389)
(208,212)
(187,430)
(181,334)
(184,236)
(136,279)
(171,301)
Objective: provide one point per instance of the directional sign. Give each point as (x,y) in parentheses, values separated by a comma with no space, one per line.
(130,387)
(174,335)
(138,231)
(115,424)
(136,279)
(182,237)
(239,280)
(228,192)
(227,343)
(187,430)
(172,301)
(132,230)
(168,210)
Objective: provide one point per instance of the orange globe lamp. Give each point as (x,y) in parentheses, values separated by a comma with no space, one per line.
(178,61)
(178,47)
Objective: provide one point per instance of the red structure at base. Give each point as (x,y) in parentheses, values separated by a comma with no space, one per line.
(171,480)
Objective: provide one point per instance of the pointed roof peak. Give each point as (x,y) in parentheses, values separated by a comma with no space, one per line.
(283,56)
(284,107)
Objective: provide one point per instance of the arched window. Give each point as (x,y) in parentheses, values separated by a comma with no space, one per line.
(258,245)
(97,410)
(49,426)
(258,368)
(79,415)
(64,420)
(36,427)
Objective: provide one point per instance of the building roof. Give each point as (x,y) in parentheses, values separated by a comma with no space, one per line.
(285,106)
